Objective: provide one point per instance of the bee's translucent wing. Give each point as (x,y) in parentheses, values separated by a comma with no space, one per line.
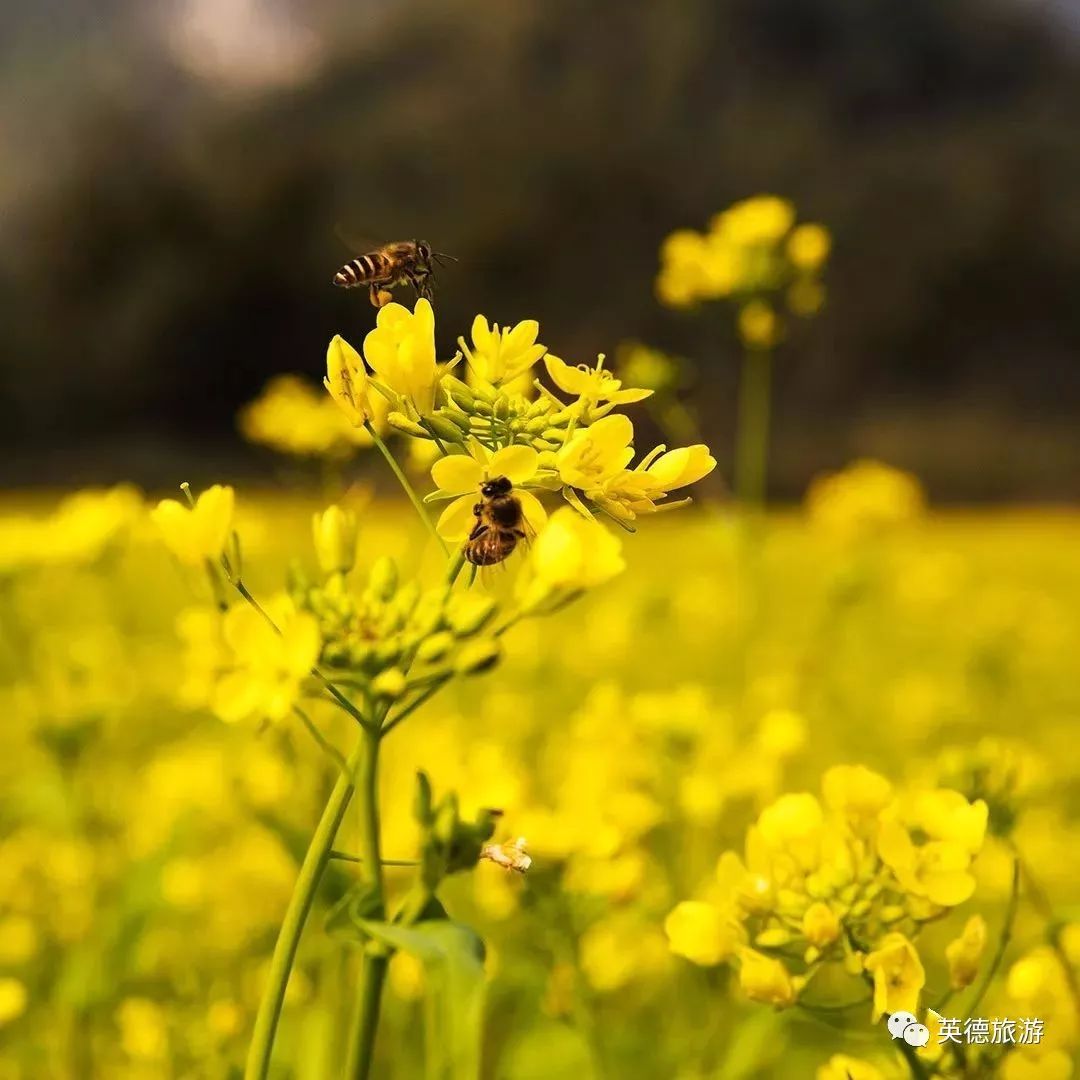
(358,241)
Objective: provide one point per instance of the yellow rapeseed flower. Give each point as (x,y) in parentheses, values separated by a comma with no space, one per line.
(641,490)
(763,978)
(591,385)
(569,554)
(702,932)
(195,534)
(595,461)
(460,475)
(856,792)
(965,952)
(597,453)
(820,926)
(347,381)
(500,355)
(898,975)
(950,831)
(401,351)
(268,666)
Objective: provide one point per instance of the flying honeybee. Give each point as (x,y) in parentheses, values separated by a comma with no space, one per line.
(500,524)
(404,262)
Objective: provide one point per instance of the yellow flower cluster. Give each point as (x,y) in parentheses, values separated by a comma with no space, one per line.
(254,663)
(491,425)
(630,740)
(750,252)
(845,880)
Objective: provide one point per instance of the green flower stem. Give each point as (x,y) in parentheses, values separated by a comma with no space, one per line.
(918,1070)
(752,439)
(344,856)
(425,695)
(1003,941)
(456,563)
(324,743)
(403,480)
(366,1018)
(292,926)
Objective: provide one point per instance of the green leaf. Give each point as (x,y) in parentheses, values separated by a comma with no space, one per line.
(453,959)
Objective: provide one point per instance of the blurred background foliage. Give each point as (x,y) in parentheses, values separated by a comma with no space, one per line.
(174,173)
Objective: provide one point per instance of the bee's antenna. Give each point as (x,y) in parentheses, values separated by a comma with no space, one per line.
(442,255)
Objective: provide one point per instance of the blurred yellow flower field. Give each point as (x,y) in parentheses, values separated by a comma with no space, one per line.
(703,755)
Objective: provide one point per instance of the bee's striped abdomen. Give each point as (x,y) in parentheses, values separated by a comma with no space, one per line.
(359,271)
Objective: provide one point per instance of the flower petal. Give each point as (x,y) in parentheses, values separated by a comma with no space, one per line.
(629,396)
(516,463)
(457,474)
(522,336)
(566,378)
(457,519)
(680,467)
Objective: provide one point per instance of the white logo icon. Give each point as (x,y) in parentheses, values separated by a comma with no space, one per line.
(916,1034)
(903,1025)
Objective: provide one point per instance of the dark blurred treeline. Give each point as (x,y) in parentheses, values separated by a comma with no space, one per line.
(168,238)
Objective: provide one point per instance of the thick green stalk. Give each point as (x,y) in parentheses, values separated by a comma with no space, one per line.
(288,940)
(366,1017)
(403,480)
(752,439)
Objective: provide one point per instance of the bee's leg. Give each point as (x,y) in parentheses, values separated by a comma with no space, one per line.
(421,282)
(477,532)
(379,295)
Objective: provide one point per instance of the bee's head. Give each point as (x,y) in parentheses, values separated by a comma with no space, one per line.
(423,249)
(497,485)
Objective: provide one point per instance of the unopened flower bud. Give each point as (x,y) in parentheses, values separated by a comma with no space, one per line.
(443,427)
(422,798)
(446,819)
(434,647)
(478,656)
(820,925)
(389,684)
(400,422)
(383,578)
(334,532)
(468,612)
